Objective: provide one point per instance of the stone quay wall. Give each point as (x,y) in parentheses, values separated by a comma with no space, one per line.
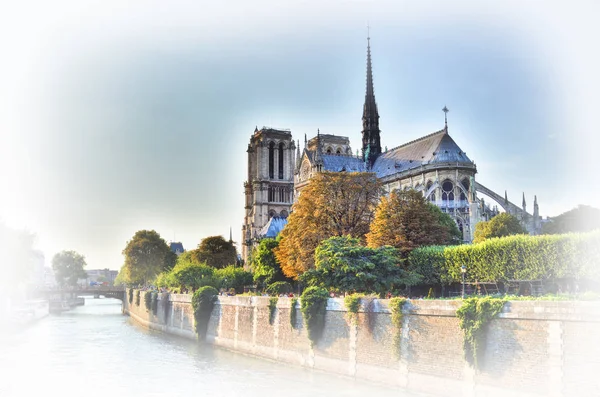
(533,348)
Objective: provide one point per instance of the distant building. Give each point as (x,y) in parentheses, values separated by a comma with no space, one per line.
(101,275)
(176,247)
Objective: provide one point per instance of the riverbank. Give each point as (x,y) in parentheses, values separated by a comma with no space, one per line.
(534,348)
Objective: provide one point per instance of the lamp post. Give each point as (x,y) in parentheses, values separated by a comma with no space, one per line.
(463,270)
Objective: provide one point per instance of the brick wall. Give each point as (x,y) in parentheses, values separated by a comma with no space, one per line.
(533,348)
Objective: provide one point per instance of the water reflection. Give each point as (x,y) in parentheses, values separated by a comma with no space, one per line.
(94,350)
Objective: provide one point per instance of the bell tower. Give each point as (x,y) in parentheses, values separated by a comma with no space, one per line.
(269,188)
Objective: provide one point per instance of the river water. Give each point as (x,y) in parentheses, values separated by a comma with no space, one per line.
(94,350)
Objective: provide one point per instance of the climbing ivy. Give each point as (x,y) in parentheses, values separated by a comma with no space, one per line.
(154,303)
(475,315)
(352,303)
(137,297)
(148,300)
(272,307)
(293,313)
(395,306)
(313,304)
(130,296)
(203,302)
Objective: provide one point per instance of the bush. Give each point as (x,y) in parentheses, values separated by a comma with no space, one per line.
(130,296)
(279,287)
(137,297)
(343,264)
(203,302)
(313,304)
(429,263)
(519,257)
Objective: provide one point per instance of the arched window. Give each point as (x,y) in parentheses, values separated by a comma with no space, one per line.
(271,159)
(281,148)
(283,214)
(272,213)
(448,190)
(329,150)
(338,151)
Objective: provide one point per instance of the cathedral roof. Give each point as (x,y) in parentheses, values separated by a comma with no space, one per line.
(434,148)
(337,163)
(273,227)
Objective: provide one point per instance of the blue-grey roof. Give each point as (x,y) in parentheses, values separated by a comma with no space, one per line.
(337,163)
(176,247)
(273,227)
(438,147)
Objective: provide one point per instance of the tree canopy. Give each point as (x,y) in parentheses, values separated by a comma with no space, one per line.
(68,268)
(146,255)
(332,204)
(501,225)
(265,268)
(216,252)
(345,265)
(581,219)
(405,220)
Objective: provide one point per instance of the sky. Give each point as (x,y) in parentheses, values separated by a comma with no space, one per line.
(120,116)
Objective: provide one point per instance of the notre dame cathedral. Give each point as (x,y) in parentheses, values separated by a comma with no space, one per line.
(433,164)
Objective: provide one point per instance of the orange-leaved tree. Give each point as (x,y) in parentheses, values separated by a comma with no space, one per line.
(406,220)
(332,204)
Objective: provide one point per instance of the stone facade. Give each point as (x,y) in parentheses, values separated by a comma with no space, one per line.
(269,189)
(534,348)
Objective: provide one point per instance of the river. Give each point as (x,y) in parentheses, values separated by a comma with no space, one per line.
(94,350)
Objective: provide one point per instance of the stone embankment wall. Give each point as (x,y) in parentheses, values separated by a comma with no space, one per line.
(534,348)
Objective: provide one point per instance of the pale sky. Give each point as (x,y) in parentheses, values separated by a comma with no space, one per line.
(118,117)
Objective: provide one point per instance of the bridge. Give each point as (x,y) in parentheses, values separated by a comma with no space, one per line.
(107,292)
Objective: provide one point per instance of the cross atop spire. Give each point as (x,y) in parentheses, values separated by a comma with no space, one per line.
(445,110)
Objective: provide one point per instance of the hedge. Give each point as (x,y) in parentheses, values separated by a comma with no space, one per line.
(519,257)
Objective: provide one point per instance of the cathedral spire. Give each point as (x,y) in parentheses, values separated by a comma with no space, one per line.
(298,156)
(524,204)
(370,120)
(318,160)
(445,110)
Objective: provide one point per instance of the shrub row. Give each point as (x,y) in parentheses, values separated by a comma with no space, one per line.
(519,257)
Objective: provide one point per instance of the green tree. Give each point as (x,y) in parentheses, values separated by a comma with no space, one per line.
(454,234)
(234,277)
(578,220)
(332,204)
(68,268)
(405,220)
(266,270)
(343,264)
(191,275)
(215,251)
(501,225)
(146,255)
